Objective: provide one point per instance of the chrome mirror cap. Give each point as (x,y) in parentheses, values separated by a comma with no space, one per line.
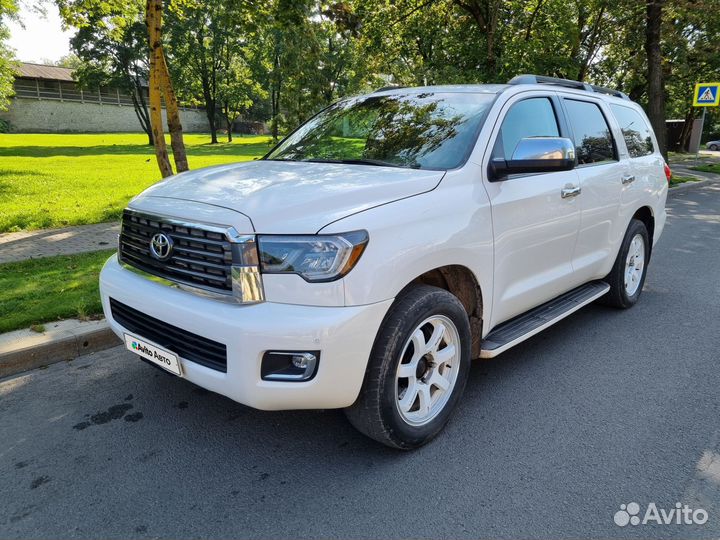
(534,155)
(544,149)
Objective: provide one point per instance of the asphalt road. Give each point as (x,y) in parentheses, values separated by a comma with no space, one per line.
(606,408)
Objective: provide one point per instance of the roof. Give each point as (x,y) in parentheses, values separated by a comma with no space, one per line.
(40,71)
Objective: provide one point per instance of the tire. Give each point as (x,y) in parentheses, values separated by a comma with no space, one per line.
(407,412)
(713,147)
(625,293)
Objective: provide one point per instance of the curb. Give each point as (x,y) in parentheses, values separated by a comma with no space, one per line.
(690,185)
(24,350)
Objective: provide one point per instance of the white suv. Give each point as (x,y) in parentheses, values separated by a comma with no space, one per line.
(387,242)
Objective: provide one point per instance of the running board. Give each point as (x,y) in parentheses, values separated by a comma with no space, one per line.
(524,326)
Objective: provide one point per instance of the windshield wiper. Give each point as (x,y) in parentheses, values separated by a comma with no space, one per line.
(359,161)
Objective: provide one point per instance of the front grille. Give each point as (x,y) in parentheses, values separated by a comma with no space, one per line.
(189,346)
(199,257)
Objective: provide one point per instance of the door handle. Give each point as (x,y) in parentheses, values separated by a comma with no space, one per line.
(628,179)
(570,191)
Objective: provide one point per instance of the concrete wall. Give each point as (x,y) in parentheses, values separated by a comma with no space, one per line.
(49,116)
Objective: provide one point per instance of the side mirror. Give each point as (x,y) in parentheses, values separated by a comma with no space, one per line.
(536,155)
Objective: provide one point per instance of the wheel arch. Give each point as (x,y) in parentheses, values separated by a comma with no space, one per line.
(646,215)
(460,281)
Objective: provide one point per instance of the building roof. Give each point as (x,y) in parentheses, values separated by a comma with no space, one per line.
(40,71)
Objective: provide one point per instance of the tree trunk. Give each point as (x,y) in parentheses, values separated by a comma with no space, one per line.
(141,112)
(531,21)
(153,13)
(684,143)
(212,119)
(656,83)
(173,119)
(275,96)
(485,13)
(229,124)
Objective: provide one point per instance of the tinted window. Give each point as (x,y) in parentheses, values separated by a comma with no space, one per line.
(532,117)
(593,139)
(635,131)
(430,130)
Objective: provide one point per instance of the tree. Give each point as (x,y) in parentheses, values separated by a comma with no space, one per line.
(656,81)
(199,34)
(238,91)
(161,86)
(8,10)
(312,58)
(111,44)
(70,61)
(290,38)
(692,54)
(153,21)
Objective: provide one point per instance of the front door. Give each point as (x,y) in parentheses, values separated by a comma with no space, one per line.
(535,228)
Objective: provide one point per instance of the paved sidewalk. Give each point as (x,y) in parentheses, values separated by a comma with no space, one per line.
(48,242)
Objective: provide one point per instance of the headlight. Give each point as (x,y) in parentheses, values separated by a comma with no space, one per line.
(314,257)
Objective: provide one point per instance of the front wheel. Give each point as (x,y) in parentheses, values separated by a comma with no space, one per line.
(417,369)
(627,277)
(713,147)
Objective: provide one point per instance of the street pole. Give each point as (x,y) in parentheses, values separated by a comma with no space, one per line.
(702,127)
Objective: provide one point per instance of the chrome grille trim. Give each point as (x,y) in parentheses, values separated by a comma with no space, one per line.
(206,258)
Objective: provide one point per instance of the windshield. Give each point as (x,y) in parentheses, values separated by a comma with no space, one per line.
(431,130)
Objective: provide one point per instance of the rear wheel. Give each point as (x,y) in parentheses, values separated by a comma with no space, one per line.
(714,147)
(417,369)
(628,274)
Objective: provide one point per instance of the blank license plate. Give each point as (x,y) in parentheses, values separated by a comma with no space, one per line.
(161,357)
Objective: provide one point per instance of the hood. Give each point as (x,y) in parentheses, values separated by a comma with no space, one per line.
(289,197)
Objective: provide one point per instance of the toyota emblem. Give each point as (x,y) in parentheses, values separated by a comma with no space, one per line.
(161,246)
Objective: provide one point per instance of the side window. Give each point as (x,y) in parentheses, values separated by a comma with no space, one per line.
(533,117)
(593,139)
(635,130)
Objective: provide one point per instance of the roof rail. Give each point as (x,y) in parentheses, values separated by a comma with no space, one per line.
(579,85)
(389,87)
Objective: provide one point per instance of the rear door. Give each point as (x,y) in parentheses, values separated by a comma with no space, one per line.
(647,176)
(601,171)
(534,227)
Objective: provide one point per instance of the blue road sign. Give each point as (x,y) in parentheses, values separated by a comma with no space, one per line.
(707,95)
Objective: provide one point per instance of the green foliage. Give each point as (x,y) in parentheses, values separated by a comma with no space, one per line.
(8,10)
(237,91)
(461,41)
(677,180)
(210,47)
(712,168)
(283,60)
(44,290)
(110,47)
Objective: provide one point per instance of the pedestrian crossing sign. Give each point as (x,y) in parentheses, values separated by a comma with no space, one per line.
(707,95)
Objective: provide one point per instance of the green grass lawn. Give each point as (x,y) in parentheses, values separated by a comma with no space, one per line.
(43,290)
(715,168)
(677,180)
(54,180)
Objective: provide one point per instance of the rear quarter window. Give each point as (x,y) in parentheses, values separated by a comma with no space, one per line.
(635,130)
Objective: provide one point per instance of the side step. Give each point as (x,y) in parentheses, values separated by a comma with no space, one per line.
(524,326)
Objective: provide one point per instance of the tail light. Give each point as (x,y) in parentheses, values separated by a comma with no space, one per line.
(668,172)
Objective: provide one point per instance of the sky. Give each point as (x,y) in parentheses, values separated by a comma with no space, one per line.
(42,38)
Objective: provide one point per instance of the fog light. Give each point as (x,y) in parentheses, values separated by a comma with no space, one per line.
(304,360)
(290,366)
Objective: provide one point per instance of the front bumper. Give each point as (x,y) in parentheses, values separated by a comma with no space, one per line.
(344,336)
